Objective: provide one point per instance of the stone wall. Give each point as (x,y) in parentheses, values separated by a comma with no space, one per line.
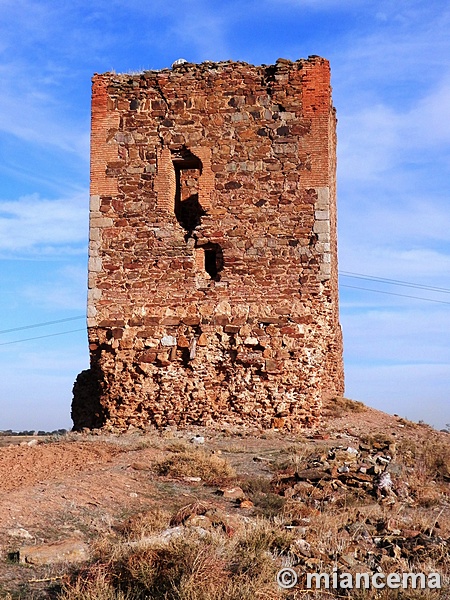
(213,254)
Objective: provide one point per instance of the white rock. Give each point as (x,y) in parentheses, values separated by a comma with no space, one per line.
(168,340)
(198,439)
(303,547)
(20,532)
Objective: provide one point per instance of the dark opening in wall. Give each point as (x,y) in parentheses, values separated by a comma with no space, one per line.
(188,169)
(213,260)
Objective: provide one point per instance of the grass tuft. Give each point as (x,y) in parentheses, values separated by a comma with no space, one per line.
(196,462)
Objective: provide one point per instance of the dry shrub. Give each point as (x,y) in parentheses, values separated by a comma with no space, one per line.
(377,437)
(268,504)
(196,462)
(94,584)
(295,457)
(255,484)
(324,532)
(195,508)
(189,567)
(263,535)
(145,523)
(429,456)
(260,491)
(335,407)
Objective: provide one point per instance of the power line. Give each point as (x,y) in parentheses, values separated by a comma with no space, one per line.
(393,282)
(40,337)
(393,294)
(43,324)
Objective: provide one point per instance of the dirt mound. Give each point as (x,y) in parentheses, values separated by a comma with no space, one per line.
(24,465)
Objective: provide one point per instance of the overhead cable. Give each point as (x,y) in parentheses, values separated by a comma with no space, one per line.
(43,324)
(40,337)
(394,282)
(354,287)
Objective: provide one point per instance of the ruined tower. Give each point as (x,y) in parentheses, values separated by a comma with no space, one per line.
(213,254)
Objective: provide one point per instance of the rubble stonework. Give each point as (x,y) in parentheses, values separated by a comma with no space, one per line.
(213,254)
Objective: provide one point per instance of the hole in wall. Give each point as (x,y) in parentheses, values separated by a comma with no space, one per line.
(213,260)
(188,170)
(211,263)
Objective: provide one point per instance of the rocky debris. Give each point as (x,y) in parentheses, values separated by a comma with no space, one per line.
(86,481)
(370,474)
(365,550)
(208,516)
(366,468)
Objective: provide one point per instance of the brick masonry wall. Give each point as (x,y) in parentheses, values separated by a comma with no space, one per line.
(213,253)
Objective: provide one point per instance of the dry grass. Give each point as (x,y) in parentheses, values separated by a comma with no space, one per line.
(189,461)
(192,509)
(189,567)
(295,457)
(212,566)
(146,523)
(430,457)
(335,407)
(96,587)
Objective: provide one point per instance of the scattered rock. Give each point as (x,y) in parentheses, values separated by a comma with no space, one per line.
(302,546)
(199,521)
(168,340)
(140,466)
(70,551)
(197,439)
(20,532)
(234,493)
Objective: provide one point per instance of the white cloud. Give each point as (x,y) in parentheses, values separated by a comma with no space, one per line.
(32,109)
(203,31)
(367,143)
(402,230)
(379,139)
(428,123)
(37,226)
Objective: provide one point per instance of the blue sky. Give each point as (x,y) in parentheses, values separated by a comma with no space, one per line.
(391,86)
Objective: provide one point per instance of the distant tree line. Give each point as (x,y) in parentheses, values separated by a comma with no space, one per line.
(31,432)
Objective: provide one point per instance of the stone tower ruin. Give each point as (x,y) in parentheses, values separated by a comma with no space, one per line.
(213,292)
